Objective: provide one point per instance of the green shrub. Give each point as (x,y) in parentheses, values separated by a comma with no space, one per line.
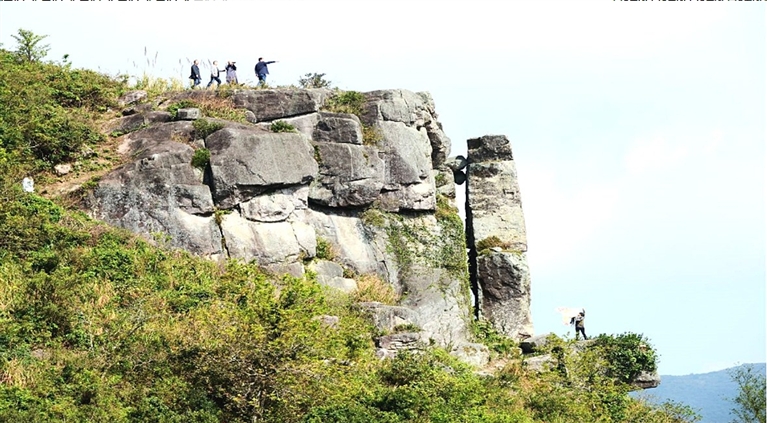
(484,332)
(441,179)
(313,80)
(201,158)
(750,401)
(183,104)
(29,47)
(325,249)
(47,110)
(281,126)
(203,128)
(346,102)
(372,216)
(627,355)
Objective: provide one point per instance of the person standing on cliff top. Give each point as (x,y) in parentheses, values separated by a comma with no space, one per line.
(195,76)
(214,74)
(231,73)
(579,324)
(262,70)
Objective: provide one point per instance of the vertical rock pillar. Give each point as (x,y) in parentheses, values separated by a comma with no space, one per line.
(497,241)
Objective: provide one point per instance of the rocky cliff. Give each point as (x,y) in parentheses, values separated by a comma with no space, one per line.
(343,193)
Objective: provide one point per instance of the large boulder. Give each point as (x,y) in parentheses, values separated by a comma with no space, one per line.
(492,193)
(389,345)
(191,113)
(135,122)
(429,269)
(332,275)
(338,127)
(155,138)
(247,162)
(304,124)
(276,206)
(534,343)
(504,280)
(408,182)
(407,154)
(409,253)
(280,104)
(646,380)
(267,243)
(159,192)
(132,97)
(349,175)
(387,317)
(540,363)
(397,106)
(125,124)
(415,110)
(440,143)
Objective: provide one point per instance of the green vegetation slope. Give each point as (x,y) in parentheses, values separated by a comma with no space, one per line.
(97,325)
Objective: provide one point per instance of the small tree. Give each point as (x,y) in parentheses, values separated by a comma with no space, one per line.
(314,80)
(30,49)
(750,402)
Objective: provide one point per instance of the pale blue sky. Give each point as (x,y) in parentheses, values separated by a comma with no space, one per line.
(638,129)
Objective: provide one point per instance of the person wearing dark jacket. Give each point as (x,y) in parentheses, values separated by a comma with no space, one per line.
(579,324)
(195,73)
(262,70)
(231,73)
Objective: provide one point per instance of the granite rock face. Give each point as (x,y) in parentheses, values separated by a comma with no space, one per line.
(245,163)
(159,192)
(338,127)
(366,186)
(415,110)
(349,175)
(269,105)
(501,278)
(504,282)
(137,121)
(493,192)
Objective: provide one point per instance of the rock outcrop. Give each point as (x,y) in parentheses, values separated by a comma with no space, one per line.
(344,198)
(365,184)
(496,236)
(646,380)
(160,192)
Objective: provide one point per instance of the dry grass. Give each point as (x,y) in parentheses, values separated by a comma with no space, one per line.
(156,86)
(16,374)
(371,287)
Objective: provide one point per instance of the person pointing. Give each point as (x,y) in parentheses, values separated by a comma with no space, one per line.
(262,70)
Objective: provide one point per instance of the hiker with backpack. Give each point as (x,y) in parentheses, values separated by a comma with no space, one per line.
(579,323)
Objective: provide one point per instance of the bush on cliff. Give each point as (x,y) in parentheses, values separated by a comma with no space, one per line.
(47,110)
(628,355)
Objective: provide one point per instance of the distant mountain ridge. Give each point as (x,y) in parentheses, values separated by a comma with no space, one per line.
(710,394)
